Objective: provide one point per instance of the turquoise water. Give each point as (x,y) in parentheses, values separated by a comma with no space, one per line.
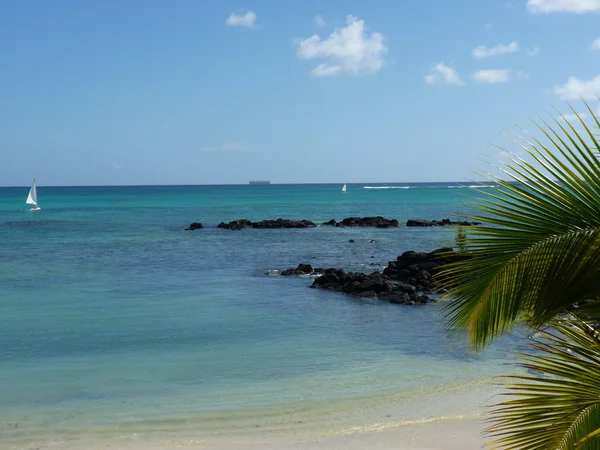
(114,317)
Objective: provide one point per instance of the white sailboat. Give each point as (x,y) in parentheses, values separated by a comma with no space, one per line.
(344,189)
(32,197)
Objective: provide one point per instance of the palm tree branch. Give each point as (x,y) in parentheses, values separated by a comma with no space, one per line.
(558,411)
(492,292)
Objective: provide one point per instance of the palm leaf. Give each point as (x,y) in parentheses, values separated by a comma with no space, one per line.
(539,250)
(562,409)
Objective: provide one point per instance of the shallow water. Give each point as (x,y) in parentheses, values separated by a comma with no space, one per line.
(116,320)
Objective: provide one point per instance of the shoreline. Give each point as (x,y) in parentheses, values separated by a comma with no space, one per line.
(437,434)
(424,423)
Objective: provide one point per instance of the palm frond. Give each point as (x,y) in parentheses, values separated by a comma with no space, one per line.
(539,250)
(559,406)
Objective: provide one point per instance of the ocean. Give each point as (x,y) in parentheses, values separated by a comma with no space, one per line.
(119,324)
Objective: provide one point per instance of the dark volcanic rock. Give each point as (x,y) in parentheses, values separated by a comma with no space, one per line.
(378,222)
(236,224)
(279,223)
(283,223)
(374,285)
(403,281)
(195,226)
(419,268)
(302,269)
(436,223)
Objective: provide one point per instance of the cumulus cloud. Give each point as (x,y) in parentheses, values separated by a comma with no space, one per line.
(575,89)
(230,146)
(494,76)
(485,52)
(534,51)
(320,22)
(596,44)
(323,70)
(347,51)
(247,20)
(568,6)
(443,74)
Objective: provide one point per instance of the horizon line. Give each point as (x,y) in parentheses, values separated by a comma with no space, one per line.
(246,184)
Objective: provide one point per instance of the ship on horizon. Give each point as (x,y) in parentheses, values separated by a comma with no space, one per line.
(260,182)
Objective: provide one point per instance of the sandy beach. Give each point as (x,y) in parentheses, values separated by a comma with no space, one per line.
(437,435)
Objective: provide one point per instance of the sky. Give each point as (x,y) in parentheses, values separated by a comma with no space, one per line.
(221,92)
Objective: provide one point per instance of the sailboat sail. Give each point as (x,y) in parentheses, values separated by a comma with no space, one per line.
(32,197)
(344,189)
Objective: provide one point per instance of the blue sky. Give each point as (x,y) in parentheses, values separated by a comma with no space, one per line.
(211,92)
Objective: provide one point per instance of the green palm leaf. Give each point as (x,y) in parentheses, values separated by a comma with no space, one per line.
(539,250)
(560,410)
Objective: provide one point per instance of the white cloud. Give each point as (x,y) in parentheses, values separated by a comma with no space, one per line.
(484,52)
(230,146)
(347,51)
(116,166)
(575,89)
(494,76)
(323,70)
(570,6)
(596,44)
(320,22)
(534,51)
(247,20)
(443,74)
(571,117)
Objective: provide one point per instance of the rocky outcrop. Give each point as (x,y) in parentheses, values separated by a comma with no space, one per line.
(236,224)
(375,285)
(302,269)
(378,222)
(284,223)
(195,226)
(436,223)
(419,268)
(404,280)
(279,223)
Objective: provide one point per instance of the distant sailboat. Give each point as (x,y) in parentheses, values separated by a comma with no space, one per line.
(32,197)
(344,189)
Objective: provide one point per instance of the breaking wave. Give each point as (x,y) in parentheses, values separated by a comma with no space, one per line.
(386,187)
